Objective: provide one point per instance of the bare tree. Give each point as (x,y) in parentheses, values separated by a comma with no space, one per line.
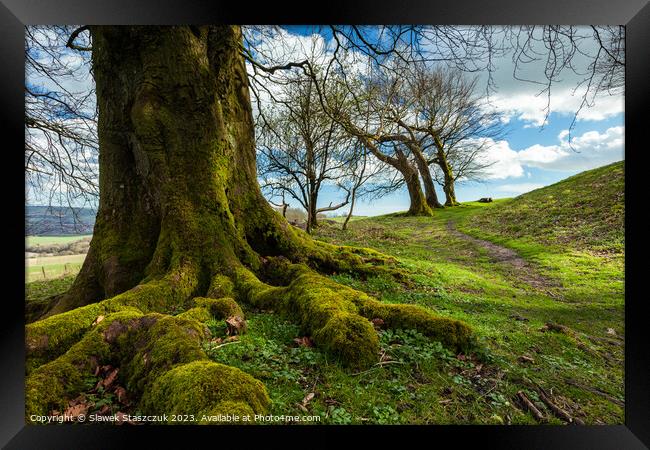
(300,149)
(396,101)
(457,127)
(61,164)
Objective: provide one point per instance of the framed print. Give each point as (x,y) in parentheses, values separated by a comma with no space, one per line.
(374,219)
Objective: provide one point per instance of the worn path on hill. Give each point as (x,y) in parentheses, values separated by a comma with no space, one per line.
(519,267)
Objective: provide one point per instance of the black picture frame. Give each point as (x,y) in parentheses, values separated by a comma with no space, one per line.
(635,14)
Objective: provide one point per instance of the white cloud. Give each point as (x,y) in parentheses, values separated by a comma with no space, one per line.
(587,151)
(531,108)
(503,161)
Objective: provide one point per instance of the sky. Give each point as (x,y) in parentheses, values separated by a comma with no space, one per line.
(534,152)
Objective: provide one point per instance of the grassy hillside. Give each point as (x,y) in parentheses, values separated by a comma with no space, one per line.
(585,211)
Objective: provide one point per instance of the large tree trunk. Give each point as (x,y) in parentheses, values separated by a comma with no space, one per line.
(450,192)
(427,180)
(447,171)
(312,213)
(182,225)
(418,205)
(418,202)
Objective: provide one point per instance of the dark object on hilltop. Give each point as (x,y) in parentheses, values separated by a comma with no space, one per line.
(485,200)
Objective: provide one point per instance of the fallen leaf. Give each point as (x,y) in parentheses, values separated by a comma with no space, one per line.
(81,408)
(110,378)
(611,331)
(97,320)
(120,392)
(302,407)
(236,325)
(304,341)
(120,417)
(308,398)
(231,338)
(526,359)
(104,410)
(377,322)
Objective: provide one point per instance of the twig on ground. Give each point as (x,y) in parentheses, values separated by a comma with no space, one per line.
(531,407)
(559,412)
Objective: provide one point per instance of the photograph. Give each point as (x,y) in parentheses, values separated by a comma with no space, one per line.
(325,224)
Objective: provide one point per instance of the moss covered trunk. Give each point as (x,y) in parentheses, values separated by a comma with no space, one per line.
(449,180)
(427,180)
(182,226)
(450,192)
(419,206)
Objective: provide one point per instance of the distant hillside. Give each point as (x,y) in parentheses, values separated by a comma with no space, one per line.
(585,211)
(58,221)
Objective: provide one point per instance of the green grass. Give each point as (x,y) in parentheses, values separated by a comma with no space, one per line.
(50,267)
(585,212)
(341,219)
(418,381)
(41,290)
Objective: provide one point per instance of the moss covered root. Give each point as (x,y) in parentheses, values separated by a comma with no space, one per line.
(160,360)
(337,317)
(50,337)
(453,334)
(206,388)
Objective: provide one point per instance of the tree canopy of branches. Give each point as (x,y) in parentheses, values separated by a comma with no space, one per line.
(453,126)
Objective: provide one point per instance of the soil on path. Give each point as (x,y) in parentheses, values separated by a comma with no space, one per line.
(518,267)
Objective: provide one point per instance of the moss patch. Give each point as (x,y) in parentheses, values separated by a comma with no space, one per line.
(206,388)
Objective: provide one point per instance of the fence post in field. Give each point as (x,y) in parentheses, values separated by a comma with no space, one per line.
(43,269)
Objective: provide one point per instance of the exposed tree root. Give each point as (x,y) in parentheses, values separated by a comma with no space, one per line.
(52,336)
(338,317)
(161,361)
(282,239)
